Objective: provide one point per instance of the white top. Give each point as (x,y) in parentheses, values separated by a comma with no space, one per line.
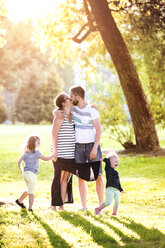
(84,128)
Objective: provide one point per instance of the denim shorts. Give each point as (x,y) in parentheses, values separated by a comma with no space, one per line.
(82,152)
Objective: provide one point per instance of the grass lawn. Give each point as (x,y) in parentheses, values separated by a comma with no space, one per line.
(141,217)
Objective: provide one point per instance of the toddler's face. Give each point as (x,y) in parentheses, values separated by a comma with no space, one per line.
(114,162)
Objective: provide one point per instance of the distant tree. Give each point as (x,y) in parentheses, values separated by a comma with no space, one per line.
(3,114)
(35,101)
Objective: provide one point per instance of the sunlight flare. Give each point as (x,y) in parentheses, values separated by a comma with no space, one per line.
(19,10)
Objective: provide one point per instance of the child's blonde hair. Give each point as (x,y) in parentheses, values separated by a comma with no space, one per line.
(30,146)
(112,154)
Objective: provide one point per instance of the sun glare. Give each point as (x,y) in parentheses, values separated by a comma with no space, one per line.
(19,10)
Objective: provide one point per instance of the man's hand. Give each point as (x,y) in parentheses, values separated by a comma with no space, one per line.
(94,106)
(59,114)
(93,153)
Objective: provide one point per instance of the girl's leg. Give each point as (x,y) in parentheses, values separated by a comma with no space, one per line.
(116,203)
(109,197)
(23,196)
(64,180)
(31,200)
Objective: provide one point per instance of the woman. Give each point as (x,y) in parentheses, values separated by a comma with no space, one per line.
(63,141)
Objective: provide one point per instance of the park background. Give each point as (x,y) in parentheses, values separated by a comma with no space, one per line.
(45,48)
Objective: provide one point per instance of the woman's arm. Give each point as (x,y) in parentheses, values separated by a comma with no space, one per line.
(55,129)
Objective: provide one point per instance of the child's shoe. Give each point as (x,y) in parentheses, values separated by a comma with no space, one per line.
(20,204)
(97,211)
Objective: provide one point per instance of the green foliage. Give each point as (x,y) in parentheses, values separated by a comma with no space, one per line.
(113,115)
(144,34)
(35,101)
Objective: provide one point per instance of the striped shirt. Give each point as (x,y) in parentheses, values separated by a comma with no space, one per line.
(66,140)
(84,128)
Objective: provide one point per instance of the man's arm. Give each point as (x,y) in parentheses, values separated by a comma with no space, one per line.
(97,126)
(59,114)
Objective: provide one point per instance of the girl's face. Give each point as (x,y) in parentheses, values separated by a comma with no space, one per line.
(114,162)
(37,143)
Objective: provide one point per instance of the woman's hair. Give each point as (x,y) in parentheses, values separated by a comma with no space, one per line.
(78,91)
(112,154)
(60,99)
(30,146)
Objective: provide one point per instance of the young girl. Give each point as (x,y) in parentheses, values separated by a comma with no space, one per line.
(112,184)
(30,158)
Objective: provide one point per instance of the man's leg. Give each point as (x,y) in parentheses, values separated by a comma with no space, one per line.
(83,190)
(100,188)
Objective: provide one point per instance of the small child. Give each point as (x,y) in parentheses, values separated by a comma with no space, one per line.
(31,158)
(112,184)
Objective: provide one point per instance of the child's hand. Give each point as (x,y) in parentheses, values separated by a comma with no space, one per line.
(101,159)
(122,192)
(21,172)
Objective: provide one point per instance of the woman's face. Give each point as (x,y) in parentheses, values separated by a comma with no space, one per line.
(67,102)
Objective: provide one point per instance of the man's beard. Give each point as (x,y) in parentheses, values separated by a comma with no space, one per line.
(75,102)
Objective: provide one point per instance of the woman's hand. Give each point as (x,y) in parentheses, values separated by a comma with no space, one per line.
(54,157)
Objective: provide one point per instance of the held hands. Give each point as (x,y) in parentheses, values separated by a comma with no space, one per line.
(54,157)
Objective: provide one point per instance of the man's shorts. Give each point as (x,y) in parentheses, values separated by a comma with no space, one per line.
(82,153)
(30,180)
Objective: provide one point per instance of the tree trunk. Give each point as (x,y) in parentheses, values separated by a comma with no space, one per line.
(142,118)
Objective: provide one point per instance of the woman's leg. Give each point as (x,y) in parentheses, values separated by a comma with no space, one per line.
(64,180)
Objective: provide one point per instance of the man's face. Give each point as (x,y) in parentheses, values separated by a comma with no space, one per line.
(114,162)
(74,99)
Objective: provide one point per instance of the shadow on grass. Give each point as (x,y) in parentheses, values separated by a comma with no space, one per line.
(145,233)
(55,240)
(97,233)
(152,236)
(123,237)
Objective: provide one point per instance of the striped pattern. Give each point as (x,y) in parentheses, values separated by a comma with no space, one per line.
(66,140)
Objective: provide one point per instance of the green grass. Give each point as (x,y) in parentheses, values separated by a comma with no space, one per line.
(141,215)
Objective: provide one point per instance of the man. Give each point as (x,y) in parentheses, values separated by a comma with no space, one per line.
(88,133)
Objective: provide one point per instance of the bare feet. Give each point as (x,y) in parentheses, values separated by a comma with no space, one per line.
(53,208)
(61,208)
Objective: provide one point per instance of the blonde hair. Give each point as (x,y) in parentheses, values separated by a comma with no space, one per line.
(30,146)
(112,154)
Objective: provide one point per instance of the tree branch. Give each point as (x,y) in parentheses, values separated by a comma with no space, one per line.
(92,28)
(79,40)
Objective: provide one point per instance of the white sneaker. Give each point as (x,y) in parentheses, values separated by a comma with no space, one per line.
(82,209)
